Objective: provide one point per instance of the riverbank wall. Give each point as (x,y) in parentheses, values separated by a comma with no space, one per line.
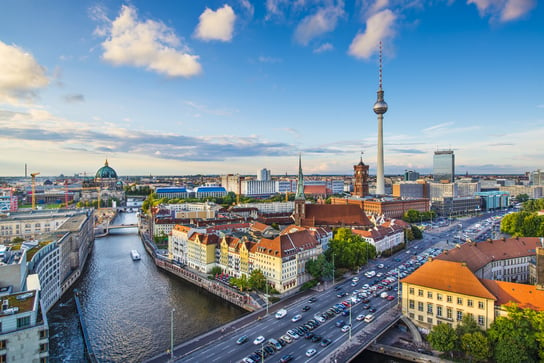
(243,300)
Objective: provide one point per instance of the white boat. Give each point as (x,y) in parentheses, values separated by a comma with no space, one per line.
(135,255)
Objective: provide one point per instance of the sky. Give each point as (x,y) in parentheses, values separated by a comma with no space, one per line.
(215,87)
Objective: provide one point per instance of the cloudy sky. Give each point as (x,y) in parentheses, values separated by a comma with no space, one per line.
(186,87)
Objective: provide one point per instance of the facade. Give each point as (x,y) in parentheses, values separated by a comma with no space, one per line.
(494,200)
(533,191)
(263,175)
(268,208)
(210,191)
(536,177)
(442,292)
(411,190)
(449,206)
(411,175)
(258,187)
(360,183)
(231,183)
(172,192)
(383,237)
(201,251)
(444,166)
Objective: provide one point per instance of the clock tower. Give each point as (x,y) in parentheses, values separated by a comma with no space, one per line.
(360,185)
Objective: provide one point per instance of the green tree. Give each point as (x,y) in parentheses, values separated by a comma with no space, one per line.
(216,270)
(350,250)
(242,283)
(257,280)
(443,338)
(417,232)
(476,346)
(521,198)
(467,326)
(412,216)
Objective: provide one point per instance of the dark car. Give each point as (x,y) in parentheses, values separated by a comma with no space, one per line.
(372,310)
(287,358)
(313,299)
(242,339)
(309,335)
(306,308)
(325,342)
(339,323)
(316,338)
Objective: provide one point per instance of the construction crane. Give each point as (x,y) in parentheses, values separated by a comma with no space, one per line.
(33,175)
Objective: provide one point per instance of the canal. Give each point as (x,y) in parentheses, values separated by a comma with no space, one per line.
(127,305)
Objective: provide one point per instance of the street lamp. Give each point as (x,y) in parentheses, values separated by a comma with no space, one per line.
(262,351)
(172,334)
(350,319)
(266,295)
(333,269)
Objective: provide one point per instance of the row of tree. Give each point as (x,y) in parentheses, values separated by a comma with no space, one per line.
(523,224)
(414,216)
(517,337)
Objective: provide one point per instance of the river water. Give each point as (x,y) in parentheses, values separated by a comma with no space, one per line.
(127,305)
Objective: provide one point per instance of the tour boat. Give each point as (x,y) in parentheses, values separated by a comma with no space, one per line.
(135,255)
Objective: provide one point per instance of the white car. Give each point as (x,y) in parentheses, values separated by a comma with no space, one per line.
(360,317)
(345,328)
(293,334)
(355,279)
(258,340)
(310,352)
(296,318)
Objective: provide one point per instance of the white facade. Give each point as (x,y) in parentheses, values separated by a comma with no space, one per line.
(274,207)
(263,175)
(258,187)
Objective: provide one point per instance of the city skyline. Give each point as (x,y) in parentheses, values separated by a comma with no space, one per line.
(235,86)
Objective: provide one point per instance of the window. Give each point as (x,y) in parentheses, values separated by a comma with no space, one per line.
(3,344)
(439,297)
(459,301)
(430,320)
(420,292)
(448,298)
(23,322)
(411,315)
(412,304)
(480,304)
(3,358)
(449,313)
(420,317)
(411,291)
(481,320)
(420,306)
(429,308)
(429,294)
(438,310)
(470,303)
(459,315)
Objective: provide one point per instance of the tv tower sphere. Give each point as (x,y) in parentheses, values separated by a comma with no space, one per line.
(380,107)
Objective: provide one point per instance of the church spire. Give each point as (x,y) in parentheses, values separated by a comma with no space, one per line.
(300,182)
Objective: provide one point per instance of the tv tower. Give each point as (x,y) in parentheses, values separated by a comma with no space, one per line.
(380,107)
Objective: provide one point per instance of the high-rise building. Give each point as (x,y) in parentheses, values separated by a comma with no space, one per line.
(263,174)
(380,107)
(411,175)
(444,166)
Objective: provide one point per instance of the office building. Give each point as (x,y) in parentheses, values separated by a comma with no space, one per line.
(444,166)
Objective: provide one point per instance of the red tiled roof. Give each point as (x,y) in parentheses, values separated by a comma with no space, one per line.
(478,254)
(450,276)
(315,189)
(286,244)
(525,296)
(335,215)
(258,226)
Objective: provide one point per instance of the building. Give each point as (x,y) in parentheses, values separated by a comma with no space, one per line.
(494,200)
(264,175)
(231,183)
(411,189)
(258,188)
(213,191)
(533,191)
(172,192)
(411,175)
(360,183)
(536,177)
(201,251)
(444,166)
(384,237)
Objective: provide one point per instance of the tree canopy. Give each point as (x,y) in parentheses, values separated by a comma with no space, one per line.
(523,224)
(350,250)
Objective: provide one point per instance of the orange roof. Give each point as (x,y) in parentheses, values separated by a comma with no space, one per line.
(286,244)
(450,276)
(179,227)
(315,189)
(258,226)
(478,254)
(525,296)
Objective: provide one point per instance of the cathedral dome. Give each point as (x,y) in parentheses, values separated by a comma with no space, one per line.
(106,172)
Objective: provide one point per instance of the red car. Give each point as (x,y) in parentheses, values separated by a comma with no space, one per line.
(390,298)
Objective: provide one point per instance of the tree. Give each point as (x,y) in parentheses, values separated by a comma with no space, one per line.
(350,250)
(467,326)
(521,198)
(443,338)
(476,346)
(417,232)
(241,282)
(257,280)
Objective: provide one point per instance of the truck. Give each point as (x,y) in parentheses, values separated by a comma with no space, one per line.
(281,313)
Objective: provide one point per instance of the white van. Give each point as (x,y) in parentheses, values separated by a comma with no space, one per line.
(369,318)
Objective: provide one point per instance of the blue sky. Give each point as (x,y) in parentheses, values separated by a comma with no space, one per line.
(214,87)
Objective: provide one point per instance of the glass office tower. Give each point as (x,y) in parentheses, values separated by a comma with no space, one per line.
(444,166)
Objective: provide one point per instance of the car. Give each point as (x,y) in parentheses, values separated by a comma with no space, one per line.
(319,318)
(287,358)
(345,328)
(390,297)
(258,340)
(325,342)
(296,318)
(310,352)
(293,334)
(360,317)
(369,318)
(355,279)
(345,313)
(380,265)
(242,339)
(269,349)
(309,335)
(287,338)
(306,308)
(316,338)
(339,323)
(341,294)
(313,299)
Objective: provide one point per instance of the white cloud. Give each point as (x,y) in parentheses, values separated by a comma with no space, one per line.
(216,25)
(324,48)
(314,25)
(378,6)
(147,44)
(20,74)
(379,26)
(504,10)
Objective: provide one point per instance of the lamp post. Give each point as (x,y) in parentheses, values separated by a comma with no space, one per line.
(333,269)
(266,299)
(172,335)
(350,319)
(262,352)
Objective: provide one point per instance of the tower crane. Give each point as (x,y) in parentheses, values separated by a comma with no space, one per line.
(33,175)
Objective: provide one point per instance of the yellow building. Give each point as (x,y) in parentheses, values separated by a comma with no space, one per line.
(201,251)
(443,292)
(234,256)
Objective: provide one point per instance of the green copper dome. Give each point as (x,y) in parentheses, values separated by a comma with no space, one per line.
(106,172)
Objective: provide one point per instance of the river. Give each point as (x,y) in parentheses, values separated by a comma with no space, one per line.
(127,305)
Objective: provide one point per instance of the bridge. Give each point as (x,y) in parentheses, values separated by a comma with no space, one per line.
(104,230)
(119,226)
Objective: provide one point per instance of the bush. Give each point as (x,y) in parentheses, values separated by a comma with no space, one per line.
(308,285)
